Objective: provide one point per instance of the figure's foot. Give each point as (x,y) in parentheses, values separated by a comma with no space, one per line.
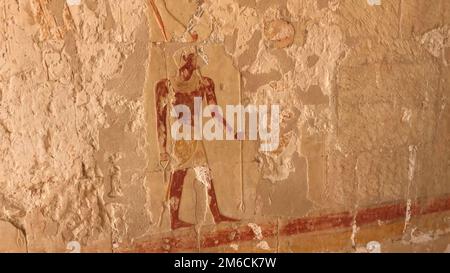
(222,218)
(176,224)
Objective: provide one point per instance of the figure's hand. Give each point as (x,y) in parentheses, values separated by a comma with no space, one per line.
(164,156)
(164,159)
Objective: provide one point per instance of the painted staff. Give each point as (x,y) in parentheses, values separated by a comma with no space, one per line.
(158,19)
(189,28)
(164,164)
(166,202)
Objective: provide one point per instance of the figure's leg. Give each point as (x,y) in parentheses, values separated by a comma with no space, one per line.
(214,206)
(176,189)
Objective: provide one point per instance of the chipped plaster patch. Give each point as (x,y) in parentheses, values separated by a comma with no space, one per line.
(418,237)
(235,247)
(373,247)
(412,161)
(263,245)
(406,115)
(374,2)
(73,2)
(435,41)
(256,230)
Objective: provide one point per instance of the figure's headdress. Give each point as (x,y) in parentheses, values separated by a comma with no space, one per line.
(180,56)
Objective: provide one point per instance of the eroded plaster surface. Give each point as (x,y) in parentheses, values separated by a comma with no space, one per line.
(364,154)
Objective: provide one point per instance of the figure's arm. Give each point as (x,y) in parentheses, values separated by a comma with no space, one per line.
(161,99)
(211,99)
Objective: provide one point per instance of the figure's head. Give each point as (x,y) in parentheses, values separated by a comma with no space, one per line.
(188,64)
(187,61)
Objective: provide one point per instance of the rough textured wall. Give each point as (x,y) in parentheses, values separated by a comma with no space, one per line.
(364,150)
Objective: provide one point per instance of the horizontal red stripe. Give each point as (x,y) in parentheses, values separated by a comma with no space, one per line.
(244,233)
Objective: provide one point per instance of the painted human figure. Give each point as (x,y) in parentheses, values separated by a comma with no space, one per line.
(186,154)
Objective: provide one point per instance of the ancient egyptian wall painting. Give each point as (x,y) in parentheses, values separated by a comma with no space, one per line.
(203,179)
(205,182)
(89,164)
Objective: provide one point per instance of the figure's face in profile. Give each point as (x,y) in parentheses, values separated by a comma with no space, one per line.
(188,66)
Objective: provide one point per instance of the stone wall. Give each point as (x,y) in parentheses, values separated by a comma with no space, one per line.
(364,154)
